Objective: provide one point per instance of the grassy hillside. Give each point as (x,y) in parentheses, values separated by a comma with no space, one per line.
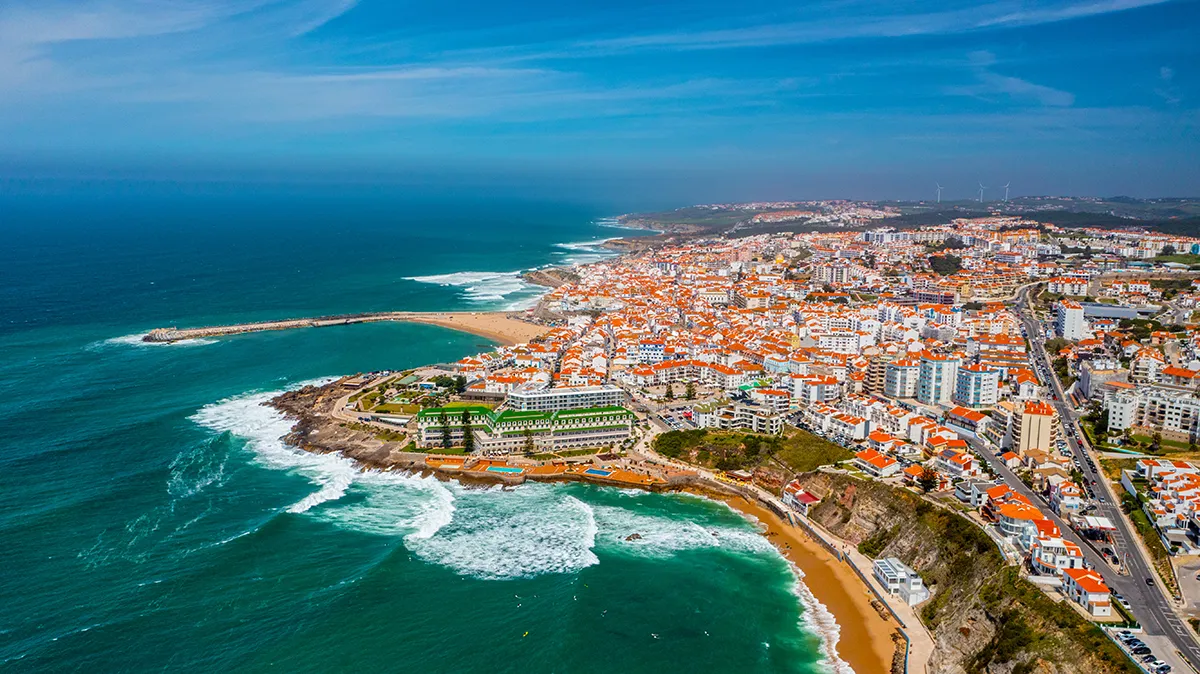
(983,615)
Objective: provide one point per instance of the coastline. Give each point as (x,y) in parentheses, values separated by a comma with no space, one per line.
(864,636)
(499,326)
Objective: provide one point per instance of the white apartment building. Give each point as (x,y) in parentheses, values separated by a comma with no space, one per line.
(554,399)
(900,379)
(1068,320)
(977,386)
(1176,414)
(900,580)
(937,378)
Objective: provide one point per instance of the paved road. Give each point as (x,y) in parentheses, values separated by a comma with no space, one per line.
(1150,606)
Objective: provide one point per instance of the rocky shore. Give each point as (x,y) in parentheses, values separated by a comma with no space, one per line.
(551,277)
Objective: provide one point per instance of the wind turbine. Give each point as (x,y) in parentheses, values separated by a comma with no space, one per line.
(981,188)
(1006,192)
(939,188)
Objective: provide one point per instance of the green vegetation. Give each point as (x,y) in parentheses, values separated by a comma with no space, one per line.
(1182,258)
(1158,551)
(453,384)
(379,433)
(945,265)
(976,592)
(803,452)
(720,450)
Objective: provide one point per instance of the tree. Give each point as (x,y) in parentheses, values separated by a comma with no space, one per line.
(690,392)
(460,384)
(1156,442)
(670,392)
(444,420)
(945,265)
(1168,250)
(468,435)
(928,481)
(529,446)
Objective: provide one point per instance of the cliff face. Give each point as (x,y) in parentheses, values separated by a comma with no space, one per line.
(983,616)
(551,277)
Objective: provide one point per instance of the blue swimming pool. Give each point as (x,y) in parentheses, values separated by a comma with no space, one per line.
(504,469)
(597,472)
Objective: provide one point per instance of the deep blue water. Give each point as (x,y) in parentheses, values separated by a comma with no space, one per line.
(151,520)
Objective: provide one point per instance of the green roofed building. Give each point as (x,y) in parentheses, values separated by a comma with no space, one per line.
(505,431)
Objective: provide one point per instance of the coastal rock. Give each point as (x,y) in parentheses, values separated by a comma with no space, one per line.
(981,607)
(550,277)
(633,537)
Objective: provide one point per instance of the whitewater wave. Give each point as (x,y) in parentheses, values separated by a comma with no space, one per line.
(820,622)
(489,288)
(520,533)
(263,428)
(137,341)
(663,537)
(585,252)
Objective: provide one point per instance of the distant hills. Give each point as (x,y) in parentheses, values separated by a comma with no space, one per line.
(1178,216)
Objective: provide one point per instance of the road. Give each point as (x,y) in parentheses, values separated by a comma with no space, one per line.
(1151,606)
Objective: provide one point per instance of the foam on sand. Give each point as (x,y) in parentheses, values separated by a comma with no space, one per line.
(820,622)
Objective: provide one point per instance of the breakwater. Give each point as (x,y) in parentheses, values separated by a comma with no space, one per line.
(174,334)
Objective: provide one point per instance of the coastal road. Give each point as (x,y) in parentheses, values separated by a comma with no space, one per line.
(1151,606)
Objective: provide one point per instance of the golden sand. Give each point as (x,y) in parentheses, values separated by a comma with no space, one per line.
(865,642)
(494,325)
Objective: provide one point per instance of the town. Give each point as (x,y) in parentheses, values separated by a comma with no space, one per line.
(1043,382)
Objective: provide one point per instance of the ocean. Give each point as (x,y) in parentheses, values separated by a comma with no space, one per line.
(152,520)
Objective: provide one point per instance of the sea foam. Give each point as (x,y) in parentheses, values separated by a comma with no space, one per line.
(138,341)
(494,289)
(263,428)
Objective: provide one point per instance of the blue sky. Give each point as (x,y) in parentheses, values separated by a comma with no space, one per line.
(692,100)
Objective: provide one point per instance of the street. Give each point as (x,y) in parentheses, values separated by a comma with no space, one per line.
(1151,606)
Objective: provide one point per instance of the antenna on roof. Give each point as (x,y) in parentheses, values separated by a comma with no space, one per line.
(939,188)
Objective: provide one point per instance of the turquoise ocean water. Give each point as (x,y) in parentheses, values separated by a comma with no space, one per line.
(151,520)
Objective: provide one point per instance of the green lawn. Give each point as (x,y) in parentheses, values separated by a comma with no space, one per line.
(469,403)
(804,452)
(397,408)
(1173,444)
(1182,258)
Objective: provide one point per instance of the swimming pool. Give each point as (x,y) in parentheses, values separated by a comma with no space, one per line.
(504,469)
(597,472)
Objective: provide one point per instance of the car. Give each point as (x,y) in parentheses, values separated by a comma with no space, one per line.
(1149,658)
(1150,582)
(1140,650)
(1165,669)
(1156,663)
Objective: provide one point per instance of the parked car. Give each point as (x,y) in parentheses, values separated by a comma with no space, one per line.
(1150,582)
(1141,650)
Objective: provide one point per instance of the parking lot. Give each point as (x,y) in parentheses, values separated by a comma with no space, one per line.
(1154,654)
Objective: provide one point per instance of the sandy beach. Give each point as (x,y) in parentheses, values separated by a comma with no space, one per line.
(495,325)
(866,638)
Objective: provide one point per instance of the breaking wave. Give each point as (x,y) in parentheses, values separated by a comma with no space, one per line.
(584,252)
(136,340)
(493,289)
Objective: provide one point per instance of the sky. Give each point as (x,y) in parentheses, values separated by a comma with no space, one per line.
(694,101)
